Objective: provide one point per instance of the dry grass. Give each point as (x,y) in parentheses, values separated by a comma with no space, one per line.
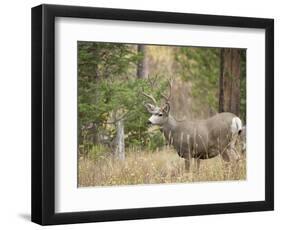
(155,167)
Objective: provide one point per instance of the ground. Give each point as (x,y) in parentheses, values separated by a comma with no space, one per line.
(163,166)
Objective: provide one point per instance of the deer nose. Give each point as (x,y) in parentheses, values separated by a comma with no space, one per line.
(148,122)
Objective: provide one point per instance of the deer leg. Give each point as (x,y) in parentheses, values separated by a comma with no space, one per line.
(187,164)
(231,155)
(197,164)
(235,156)
(225,156)
(226,164)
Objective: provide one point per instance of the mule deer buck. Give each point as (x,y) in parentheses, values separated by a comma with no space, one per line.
(201,139)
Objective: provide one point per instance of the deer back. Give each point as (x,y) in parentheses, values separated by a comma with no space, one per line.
(201,137)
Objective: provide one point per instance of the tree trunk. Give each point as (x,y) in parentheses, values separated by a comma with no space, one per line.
(142,68)
(119,140)
(229,95)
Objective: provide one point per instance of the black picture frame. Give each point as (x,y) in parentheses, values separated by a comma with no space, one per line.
(43,114)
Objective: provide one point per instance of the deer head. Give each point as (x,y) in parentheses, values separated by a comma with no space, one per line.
(159,114)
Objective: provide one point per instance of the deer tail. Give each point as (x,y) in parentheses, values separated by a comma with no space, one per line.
(236,126)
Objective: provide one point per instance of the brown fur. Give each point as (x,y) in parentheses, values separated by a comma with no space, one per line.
(201,139)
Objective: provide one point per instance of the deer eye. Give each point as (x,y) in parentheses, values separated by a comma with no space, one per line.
(160,114)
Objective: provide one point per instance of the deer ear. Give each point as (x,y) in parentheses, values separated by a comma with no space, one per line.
(150,108)
(166,108)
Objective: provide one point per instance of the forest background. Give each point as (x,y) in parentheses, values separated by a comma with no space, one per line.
(113,121)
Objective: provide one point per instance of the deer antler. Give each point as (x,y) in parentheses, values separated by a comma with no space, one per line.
(152,81)
(167,98)
(150,97)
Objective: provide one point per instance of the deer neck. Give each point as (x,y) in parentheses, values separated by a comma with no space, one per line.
(170,125)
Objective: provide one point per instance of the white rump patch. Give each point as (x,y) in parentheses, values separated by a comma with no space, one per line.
(236,125)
